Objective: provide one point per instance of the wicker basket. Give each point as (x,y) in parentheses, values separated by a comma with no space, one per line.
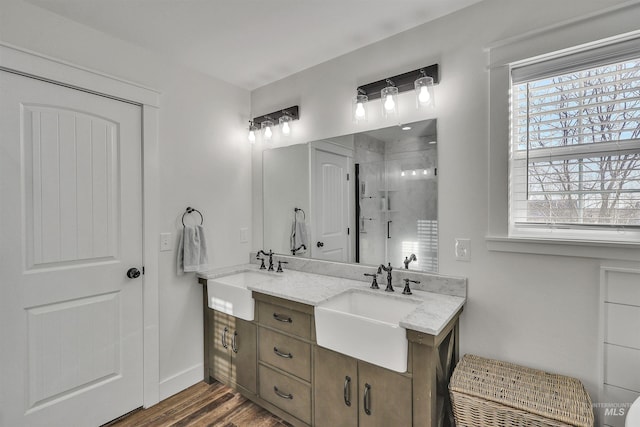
(486,392)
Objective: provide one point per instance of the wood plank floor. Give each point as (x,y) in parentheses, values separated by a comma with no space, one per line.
(202,405)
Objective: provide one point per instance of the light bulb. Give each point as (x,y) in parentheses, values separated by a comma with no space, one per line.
(423,87)
(424,172)
(360,110)
(402,173)
(424,97)
(252,136)
(285,128)
(413,173)
(267,132)
(389,104)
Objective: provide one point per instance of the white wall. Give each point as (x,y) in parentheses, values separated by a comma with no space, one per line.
(536,310)
(204,159)
(286,186)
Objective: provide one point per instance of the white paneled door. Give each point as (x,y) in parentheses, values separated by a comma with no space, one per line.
(331,199)
(71,228)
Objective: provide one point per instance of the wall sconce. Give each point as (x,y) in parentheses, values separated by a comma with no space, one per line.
(421,81)
(267,122)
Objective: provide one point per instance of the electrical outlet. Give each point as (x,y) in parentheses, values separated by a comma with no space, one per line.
(165,242)
(244,235)
(463,249)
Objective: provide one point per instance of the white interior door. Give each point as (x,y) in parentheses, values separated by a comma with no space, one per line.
(71,227)
(331,207)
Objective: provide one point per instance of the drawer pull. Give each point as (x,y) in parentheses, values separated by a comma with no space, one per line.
(367,399)
(281,394)
(347,390)
(281,318)
(224,338)
(234,342)
(285,355)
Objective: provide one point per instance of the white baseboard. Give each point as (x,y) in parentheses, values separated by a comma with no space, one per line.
(180,381)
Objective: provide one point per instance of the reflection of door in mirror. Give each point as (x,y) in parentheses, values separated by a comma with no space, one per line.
(397,201)
(329,175)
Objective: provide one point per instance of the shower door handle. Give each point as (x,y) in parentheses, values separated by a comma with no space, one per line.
(389,229)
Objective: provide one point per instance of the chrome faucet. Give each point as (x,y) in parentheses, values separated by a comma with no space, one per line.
(270,255)
(407,260)
(388,269)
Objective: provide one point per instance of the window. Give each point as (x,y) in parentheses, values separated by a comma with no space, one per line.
(575,145)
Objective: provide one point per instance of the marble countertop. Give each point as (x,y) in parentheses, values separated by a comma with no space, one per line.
(430,317)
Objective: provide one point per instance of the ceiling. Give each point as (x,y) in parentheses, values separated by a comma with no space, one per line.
(251,43)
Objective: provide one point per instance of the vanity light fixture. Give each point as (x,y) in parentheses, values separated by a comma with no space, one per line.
(421,81)
(359,107)
(267,122)
(252,132)
(389,97)
(424,90)
(285,128)
(267,129)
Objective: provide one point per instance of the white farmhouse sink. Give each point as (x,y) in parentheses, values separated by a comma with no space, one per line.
(365,325)
(229,294)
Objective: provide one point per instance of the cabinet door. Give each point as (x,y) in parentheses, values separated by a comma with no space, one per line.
(219,347)
(335,389)
(243,354)
(385,397)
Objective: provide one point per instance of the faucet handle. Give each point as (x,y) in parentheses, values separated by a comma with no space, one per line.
(374,282)
(407,290)
(262,266)
(280,270)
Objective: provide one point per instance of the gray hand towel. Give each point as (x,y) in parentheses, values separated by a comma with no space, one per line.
(299,236)
(192,250)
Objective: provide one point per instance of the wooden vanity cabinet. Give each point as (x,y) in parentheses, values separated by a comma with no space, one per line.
(314,385)
(232,351)
(350,392)
(285,342)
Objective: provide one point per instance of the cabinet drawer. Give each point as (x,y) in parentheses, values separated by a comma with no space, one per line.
(289,394)
(285,319)
(285,352)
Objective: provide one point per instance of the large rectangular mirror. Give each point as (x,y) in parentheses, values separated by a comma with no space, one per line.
(369,197)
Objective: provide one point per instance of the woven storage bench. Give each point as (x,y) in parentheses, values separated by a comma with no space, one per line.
(486,392)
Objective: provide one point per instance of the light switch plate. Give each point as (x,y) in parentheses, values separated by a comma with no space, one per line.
(165,242)
(463,249)
(244,235)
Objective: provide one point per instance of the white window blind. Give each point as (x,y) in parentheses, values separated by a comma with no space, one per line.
(575,151)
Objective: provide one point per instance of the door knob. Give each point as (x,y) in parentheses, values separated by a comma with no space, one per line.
(319,244)
(133,273)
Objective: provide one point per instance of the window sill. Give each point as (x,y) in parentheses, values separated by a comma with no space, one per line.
(622,251)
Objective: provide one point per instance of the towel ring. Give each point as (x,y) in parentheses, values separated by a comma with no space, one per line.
(303,214)
(191,210)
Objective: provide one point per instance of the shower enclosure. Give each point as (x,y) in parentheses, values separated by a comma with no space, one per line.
(396,208)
